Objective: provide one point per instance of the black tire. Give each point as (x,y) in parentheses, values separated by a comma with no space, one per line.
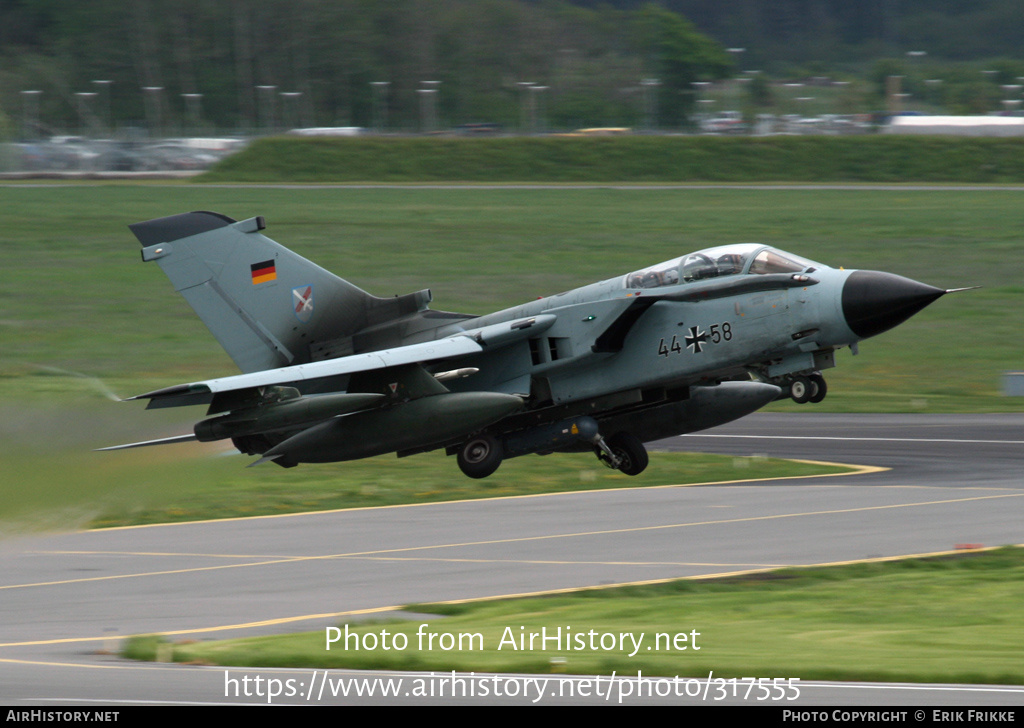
(630,451)
(821,388)
(801,390)
(480,456)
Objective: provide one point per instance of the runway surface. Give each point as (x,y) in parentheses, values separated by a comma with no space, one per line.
(63,598)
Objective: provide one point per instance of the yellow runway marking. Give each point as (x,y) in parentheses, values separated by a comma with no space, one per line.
(157,573)
(523,539)
(44,663)
(189,554)
(494,597)
(852,470)
(553,562)
(700,577)
(206,630)
(371,557)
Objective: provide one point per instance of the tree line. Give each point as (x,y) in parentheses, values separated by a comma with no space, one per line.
(397,65)
(522,65)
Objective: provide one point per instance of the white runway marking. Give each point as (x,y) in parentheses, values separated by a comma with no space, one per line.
(863,439)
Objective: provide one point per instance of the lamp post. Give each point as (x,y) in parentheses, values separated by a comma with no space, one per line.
(705,114)
(266,96)
(193,101)
(30,113)
(290,108)
(804,104)
(428,106)
(154,110)
(109,111)
(893,84)
(534,91)
(650,88)
(737,54)
(379,90)
(991,77)
(792,106)
(524,105)
(85,115)
(934,87)
(699,88)
(1012,101)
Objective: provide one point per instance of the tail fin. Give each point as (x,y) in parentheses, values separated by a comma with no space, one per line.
(267,306)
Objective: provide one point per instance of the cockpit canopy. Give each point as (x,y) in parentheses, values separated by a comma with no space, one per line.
(724,260)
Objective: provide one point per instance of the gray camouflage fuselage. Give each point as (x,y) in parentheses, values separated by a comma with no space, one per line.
(333,373)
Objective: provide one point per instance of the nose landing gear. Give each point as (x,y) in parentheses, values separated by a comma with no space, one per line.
(811,388)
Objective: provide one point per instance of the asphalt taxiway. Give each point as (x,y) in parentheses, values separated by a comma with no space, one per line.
(940,481)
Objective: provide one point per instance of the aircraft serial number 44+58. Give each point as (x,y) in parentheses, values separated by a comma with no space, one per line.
(333,373)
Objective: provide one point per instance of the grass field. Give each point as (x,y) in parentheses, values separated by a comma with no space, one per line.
(76,298)
(68,486)
(953,619)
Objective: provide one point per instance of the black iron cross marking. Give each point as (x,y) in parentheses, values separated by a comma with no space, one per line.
(695,338)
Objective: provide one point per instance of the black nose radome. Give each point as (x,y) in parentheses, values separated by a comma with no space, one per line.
(874,302)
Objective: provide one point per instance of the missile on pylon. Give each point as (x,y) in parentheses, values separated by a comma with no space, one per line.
(283,415)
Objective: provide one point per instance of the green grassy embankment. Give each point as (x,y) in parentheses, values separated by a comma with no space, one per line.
(177,483)
(76,297)
(649,159)
(945,620)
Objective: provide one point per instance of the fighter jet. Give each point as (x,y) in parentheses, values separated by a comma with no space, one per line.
(332,373)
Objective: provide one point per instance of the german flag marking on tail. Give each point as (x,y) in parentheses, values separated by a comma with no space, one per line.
(263,272)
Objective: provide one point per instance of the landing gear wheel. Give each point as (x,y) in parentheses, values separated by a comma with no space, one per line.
(801,390)
(631,453)
(480,456)
(821,388)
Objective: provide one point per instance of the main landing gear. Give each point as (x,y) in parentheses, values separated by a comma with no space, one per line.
(810,388)
(481,455)
(622,451)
